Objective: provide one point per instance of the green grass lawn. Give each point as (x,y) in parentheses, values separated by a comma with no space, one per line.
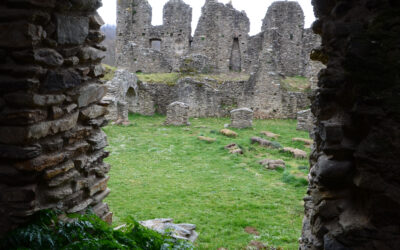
(166,172)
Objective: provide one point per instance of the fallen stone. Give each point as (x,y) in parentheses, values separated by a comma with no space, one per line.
(265,143)
(207,139)
(297,153)
(241,118)
(234,148)
(272,164)
(251,230)
(270,134)
(307,142)
(228,132)
(256,245)
(179,231)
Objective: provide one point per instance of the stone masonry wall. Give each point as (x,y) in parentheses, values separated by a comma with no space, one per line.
(136,34)
(51,142)
(209,98)
(353,199)
(222,36)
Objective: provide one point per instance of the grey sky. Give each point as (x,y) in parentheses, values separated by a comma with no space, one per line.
(255,10)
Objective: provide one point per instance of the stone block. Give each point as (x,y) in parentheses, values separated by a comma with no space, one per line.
(177,114)
(93,111)
(63,178)
(72,30)
(98,140)
(48,57)
(265,143)
(40,163)
(241,118)
(273,164)
(19,35)
(61,80)
(90,93)
(62,168)
(99,186)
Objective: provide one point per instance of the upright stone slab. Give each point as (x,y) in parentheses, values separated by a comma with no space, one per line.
(241,118)
(304,120)
(177,114)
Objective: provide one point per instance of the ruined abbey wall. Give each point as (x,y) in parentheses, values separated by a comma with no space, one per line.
(51,142)
(221,37)
(353,199)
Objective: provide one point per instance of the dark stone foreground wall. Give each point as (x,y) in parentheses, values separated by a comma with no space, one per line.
(51,142)
(353,199)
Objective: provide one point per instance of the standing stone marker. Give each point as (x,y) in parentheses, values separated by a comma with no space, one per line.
(177,114)
(241,118)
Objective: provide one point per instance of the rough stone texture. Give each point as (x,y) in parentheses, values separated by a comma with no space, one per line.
(146,48)
(122,93)
(272,164)
(210,98)
(241,118)
(353,195)
(47,103)
(265,143)
(221,39)
(305,120)
(179,231)
(177,114)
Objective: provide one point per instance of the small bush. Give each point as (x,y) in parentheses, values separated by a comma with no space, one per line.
(87,231)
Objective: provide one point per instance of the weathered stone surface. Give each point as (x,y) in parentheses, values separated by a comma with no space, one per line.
(62,80)
(179,231)
(93,111)
(270,134)
(234,149)
(71,29)
(307,142)
(273,164)
(177,114)
(95,21)
(297,153)
(265,143)
(48,57)
(305,120)
(62,168)
(90,94)
(91,54)
(241,118)
(98,140)
(25,99)
(100,185)
(41,99)
(62,178)
(228,132)
(21,153)
(40,163)
(101,196)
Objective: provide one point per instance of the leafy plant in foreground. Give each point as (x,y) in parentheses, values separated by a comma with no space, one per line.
(47,231)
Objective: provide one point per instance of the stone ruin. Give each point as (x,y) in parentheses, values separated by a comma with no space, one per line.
(177,114)
(51,141)
(241,118)
(221,44)
(52,147)
(121,94)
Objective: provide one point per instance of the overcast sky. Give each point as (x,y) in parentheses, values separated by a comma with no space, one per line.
(255,10)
